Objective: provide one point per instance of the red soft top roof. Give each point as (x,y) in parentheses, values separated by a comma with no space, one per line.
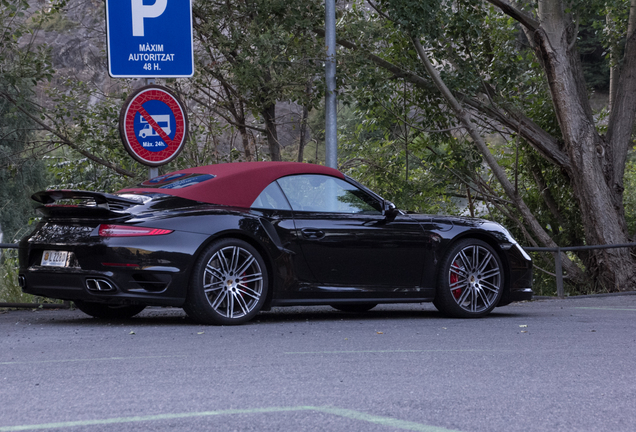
(234,184)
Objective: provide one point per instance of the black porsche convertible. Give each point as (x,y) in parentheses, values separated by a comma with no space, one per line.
(229,240)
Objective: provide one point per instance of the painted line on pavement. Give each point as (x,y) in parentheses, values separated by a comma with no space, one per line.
(608,308)
(386,351)
(345,413)
(381,420)
(87,360)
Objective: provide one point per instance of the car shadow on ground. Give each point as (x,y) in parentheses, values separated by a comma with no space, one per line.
(160,316)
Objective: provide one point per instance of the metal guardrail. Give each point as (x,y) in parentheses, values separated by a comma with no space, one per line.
(558,262)
(65,305)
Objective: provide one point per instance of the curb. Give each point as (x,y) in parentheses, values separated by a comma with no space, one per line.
(618,294)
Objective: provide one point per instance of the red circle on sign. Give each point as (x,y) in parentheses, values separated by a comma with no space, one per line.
(135,105)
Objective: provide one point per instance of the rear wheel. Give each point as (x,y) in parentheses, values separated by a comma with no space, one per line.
(354,308)
(471,280)
(229,284)
(103,310)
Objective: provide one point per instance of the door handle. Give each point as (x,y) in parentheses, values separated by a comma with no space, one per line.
(312,233)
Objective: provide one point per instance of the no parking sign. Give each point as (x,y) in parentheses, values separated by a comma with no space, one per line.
(153,125)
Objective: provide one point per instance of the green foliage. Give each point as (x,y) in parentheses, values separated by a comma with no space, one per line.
(594,58)
(23,64)
(254,54)
(629,198)
(90,119)
(55,22)
(402,140)
(391,158)
(265,50)
(483,55)
(16,207)
(21,173)
(417,17)
(10,291)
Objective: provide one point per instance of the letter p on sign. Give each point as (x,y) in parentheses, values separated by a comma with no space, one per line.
(141,11)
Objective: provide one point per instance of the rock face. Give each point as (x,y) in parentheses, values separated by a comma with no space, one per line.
(77,42)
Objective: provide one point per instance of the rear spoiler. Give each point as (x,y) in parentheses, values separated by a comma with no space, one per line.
(50,196)
(106,205)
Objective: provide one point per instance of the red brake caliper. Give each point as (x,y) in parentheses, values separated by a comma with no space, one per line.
(454,278)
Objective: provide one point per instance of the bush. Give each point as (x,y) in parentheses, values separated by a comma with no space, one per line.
(10,291)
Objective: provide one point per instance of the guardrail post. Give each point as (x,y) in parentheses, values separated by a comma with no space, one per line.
(559,273)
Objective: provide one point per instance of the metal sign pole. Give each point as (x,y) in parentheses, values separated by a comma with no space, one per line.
(150,41)
(152,171)
(331,103)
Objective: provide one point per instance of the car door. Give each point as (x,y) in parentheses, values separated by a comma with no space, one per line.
(278,222)
(347,241)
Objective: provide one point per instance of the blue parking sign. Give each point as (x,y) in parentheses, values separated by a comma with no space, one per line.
(149,38)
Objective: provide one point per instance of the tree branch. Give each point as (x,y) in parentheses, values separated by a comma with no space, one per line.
(65,140)
(523,18)
(539,139)
(496,169)
(226,118)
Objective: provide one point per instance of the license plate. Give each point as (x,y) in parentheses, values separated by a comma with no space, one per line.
(54,258)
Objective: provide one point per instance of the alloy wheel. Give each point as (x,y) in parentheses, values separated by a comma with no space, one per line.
(233,282)
(475,279)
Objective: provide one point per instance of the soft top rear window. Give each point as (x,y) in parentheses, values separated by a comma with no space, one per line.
(176,180)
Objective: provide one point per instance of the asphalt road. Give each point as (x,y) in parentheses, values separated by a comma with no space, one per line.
(547,365)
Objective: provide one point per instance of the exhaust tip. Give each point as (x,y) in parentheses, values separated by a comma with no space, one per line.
(22,281)
(100,285)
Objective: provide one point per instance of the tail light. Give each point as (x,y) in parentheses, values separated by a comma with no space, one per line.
(108,230)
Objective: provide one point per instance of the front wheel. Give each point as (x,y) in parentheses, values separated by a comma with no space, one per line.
(471,280)
(103,310)
(229,284)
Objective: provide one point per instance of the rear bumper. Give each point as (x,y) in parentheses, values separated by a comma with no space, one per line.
(103,287)
(136,270)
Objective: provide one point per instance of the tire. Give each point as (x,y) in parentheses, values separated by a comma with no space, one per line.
(354,307)
(103,310)
(229,284)
(471,280)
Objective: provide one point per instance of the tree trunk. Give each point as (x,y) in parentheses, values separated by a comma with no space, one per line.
(269,115)
(245,139)
(303,134)
(592,165)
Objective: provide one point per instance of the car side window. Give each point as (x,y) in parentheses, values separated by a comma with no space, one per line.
(271,198)
(325,194)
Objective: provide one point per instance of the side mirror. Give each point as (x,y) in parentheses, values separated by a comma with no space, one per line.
(389,210)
